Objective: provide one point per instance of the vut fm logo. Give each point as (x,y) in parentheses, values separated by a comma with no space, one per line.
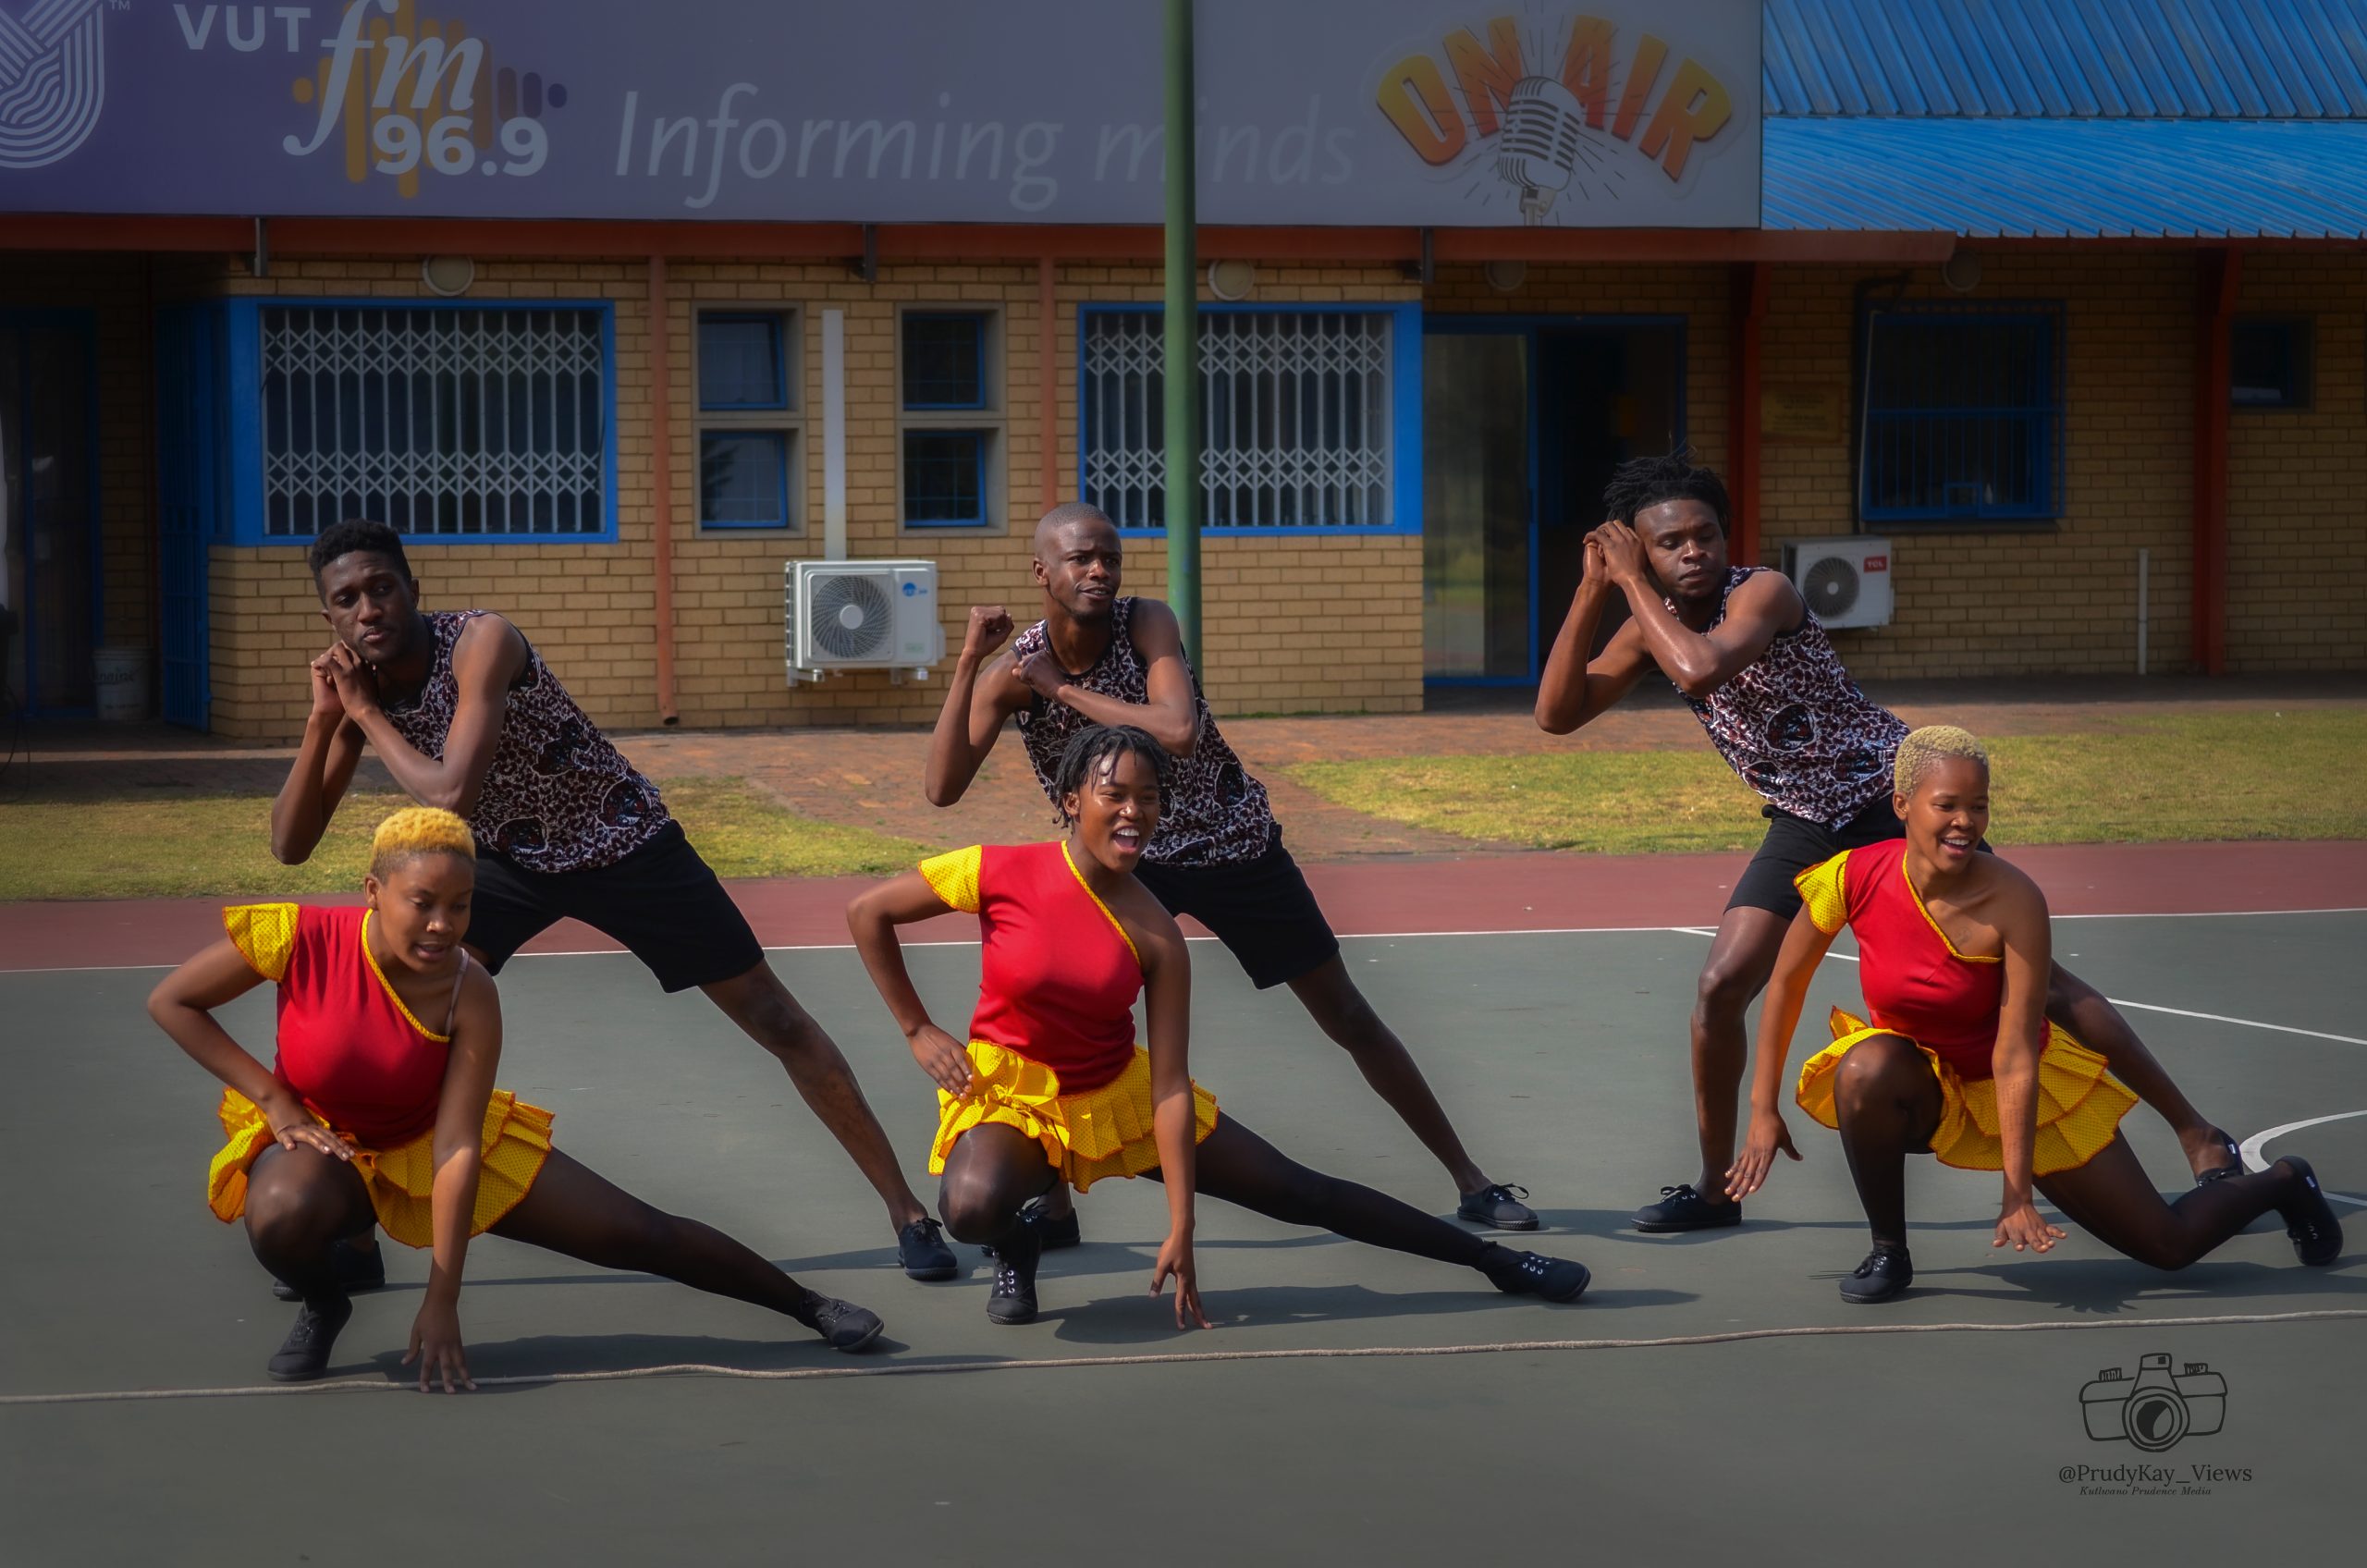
(53,78)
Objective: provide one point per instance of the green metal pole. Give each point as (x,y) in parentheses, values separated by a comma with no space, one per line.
(1183,340)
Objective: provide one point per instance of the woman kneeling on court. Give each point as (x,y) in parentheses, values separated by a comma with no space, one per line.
(371,1117)
(1960,1060)
(1053,1086)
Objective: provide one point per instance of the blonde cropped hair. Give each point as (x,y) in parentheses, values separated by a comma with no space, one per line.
(419,830)
(1932,744)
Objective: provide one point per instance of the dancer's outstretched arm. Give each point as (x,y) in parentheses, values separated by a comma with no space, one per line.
(476,1055)
(2020,918)
(872,918)
(1167,975)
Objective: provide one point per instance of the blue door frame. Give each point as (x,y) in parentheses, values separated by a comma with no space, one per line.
(83,323)
(1535,328)
(190,441)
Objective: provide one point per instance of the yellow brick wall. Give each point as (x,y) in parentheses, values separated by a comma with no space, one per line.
(116,290)
(2056,600)
(2297,490)
(1293,623)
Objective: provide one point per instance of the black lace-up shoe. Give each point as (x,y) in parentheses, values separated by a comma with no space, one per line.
(1682,1208)
(1052,1234)
(1498,1208)
(2310,1219)
(1533,1274)
(1012,1300)
(841,1324)
(304,1354)
(921,1248)
(1886,1272)
(358,1269)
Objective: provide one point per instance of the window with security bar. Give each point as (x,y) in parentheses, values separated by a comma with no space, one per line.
(1296,418)
(443,421)
(1963,415)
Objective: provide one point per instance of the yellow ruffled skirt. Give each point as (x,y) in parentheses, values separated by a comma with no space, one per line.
(402,1179)
(1086,1137)
(2080,1103)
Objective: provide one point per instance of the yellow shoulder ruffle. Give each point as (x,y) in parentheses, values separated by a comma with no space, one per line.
(954,877)
(264,935)
(1820,888)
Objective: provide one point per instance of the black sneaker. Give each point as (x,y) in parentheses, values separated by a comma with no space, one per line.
(1533,1274)
(1682,1208)
(358,1269)
(1012,1300)
(1051,1234)
(1498,1208)
(2233,1166)
(304,1353)
(841,1324)
(2310,1219)
(921,1248)
(1886,1272)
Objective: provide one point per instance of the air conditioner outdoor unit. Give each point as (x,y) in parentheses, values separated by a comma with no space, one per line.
(860,615)
(1845,581)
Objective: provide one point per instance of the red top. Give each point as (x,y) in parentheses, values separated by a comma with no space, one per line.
(347,1045)
(1058,976)
(1915,982)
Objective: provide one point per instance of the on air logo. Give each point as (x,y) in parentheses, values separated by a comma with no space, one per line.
(53,78)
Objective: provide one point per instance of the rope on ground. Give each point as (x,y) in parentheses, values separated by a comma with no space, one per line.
(1057,1364)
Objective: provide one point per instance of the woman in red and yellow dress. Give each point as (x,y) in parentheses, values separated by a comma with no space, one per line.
(1959,1059)
(1052,1087)
(371,1117)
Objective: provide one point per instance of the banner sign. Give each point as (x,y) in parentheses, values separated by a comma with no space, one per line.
(1590,114)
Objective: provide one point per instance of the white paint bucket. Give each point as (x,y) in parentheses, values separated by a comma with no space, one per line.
(123,683)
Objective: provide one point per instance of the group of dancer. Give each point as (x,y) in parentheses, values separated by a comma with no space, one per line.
(1977,1046)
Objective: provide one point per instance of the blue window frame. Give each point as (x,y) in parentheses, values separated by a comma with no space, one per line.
(945,478)
(744,479)
(945,360)
(461,422)
(740,362)
(2270,363)
(1962,414)
(1311,418)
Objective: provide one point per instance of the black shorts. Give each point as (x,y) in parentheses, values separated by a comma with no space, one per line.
(1794,843)
(662,901)
(1261,909)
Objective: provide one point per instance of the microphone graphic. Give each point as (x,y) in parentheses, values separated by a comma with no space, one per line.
(1540,147)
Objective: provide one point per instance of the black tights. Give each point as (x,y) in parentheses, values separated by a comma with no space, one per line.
(299,1201)
(1890,1106)
(995,1169)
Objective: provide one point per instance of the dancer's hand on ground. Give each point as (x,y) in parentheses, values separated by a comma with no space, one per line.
(295,1129)
(942,1057)
(1043,672)
(1175,1257)
(325,701)
(436,1345)
(1768,1134)
(2020,1227)
(1622,552)
(989,624)
(357,683)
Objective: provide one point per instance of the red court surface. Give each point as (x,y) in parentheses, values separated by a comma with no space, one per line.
(1537,892)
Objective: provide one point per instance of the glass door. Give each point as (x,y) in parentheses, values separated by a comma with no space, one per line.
(49,538)
(1476,506)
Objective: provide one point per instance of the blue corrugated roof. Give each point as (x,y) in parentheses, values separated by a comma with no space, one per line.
(2196,59)
(2068,179)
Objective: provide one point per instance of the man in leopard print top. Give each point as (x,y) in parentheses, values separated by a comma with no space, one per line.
(1217,853)
(466,715)
(1745,651)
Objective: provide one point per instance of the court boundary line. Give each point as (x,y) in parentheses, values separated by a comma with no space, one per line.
(1346,936)
(1059,1363)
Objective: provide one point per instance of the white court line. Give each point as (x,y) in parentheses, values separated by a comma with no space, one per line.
(1346,936)
(1057,1364)
(2255,1160)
